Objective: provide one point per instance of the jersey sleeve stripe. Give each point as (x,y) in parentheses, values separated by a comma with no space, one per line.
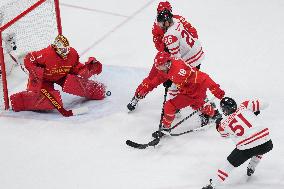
(257,105)
(194,60)
(193,57)
(174,49)
(253,106)
(173,53)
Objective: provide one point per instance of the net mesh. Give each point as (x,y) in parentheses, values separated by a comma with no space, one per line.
(32,32)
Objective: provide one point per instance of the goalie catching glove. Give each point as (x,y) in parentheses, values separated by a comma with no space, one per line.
(91,67)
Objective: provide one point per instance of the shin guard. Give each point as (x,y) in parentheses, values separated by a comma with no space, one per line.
(83,87)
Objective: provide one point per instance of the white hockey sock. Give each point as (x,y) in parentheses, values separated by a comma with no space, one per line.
(254,161)
(172,92)
(222,174)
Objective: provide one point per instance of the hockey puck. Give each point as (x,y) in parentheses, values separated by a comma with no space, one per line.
(108,93)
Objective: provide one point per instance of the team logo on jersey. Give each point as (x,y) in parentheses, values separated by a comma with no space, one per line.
(170,39)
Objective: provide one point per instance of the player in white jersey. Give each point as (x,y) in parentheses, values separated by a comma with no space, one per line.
(173,34)
(179,39)
(252,139)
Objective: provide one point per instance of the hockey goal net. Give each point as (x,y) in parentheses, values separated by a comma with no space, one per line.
(25,26)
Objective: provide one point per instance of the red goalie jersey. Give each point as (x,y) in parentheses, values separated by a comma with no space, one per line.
(242,127)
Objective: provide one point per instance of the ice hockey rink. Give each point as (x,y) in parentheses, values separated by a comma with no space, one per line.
(243,43)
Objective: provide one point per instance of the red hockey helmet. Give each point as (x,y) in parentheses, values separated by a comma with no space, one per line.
(164,5)
(161,58)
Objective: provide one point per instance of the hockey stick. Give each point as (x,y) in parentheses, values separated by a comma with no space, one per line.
(61,109)
(19,64)
(184,119)
(156,140)
(162,114)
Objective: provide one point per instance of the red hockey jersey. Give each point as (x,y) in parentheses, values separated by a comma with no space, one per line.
(188,80)
(54,66)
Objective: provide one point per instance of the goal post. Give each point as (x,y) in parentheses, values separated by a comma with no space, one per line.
(34,24)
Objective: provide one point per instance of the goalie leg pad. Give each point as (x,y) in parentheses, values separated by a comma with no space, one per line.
(30,100)
(83,87)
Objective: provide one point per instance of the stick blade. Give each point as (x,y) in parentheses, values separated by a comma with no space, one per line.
(79,111)
(136,145)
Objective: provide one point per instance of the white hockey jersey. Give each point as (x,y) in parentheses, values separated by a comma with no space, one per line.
(181,43)
(242,127)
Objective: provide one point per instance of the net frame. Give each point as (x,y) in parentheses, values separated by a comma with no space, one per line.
(10,23)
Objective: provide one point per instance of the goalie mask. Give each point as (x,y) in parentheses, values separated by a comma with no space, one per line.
(61,46)
(228,105)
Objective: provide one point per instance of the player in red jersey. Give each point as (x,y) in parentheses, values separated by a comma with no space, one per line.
(57,64)
(252,139)
(191,83)
(173,34)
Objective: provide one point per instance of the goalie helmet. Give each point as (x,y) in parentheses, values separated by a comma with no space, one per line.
(228,105)
(164,5)
(161,58)
(61,46)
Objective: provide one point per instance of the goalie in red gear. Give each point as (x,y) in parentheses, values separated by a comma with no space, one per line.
(57,64)
(191,83)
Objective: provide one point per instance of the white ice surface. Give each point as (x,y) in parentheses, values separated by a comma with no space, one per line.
(244,44)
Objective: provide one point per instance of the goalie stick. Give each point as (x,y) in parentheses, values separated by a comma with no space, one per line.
(61,109)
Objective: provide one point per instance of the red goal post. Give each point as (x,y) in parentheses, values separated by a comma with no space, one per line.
(35,24)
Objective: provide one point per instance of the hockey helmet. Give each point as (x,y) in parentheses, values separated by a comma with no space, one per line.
(164,5)
(61,46)
(161,58)
(165,15)
(228,105)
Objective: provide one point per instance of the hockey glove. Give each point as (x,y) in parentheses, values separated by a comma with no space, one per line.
(91,67)
(257,112)
(167,84)
(208,110)
(218,121)
(142,93)
(217,92)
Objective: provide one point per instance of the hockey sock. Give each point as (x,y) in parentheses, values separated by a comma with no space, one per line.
(254,161)
(222,174)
